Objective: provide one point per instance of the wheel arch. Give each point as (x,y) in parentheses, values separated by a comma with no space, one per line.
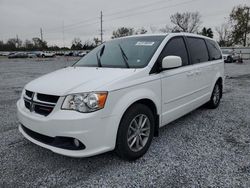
(220,82)
(152,106)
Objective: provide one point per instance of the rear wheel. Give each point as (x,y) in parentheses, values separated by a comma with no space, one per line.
(135,132)
(216,96)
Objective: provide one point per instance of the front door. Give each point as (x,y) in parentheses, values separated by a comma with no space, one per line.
(179,85)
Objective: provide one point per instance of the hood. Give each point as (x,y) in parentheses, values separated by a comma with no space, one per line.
(77,79)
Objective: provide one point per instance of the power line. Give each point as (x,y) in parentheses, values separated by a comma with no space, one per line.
(41,33)
(128,13)
(63,33)
(71,26)
(85,22)
(136,8)
(137,13)
(108,15)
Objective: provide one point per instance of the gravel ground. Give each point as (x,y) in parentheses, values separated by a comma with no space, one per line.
(206,148)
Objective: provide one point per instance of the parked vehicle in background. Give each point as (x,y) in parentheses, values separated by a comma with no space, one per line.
(230,56)
(60,53)
(6,53)
(46,54)
(68,54)
(120,94)
(18,55)
(31,55)
(82,54)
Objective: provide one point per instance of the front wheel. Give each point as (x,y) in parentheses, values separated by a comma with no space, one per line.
(135,132)
(215,97)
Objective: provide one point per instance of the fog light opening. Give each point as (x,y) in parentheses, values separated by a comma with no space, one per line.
(76,142)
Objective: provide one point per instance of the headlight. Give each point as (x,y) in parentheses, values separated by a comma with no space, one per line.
(85,102)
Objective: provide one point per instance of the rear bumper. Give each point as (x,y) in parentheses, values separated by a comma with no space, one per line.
(97,133)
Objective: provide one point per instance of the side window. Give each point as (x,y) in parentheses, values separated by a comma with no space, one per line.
(213,49)
(198,50)
(175,46)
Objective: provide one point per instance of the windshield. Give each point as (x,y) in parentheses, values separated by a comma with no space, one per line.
(134,52)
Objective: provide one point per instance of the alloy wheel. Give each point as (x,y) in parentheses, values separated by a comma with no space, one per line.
(138,132)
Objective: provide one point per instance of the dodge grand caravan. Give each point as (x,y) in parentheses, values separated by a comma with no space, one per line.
(120,94)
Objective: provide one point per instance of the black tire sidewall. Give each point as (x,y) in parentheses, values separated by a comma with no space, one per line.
(122,147)
(212,104)
(230,59)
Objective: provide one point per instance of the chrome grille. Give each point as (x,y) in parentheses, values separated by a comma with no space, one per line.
(39,103)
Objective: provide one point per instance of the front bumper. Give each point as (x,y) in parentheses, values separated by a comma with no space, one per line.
(95,130)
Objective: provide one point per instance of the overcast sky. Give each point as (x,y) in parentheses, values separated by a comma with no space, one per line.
(82,18)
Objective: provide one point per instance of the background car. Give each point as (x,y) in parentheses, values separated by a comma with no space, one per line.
(47,54)
(230,56)
(31,55)
(68,54)
(18,55)
(82,54)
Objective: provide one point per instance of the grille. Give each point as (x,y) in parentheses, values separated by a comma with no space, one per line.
(47,98)
(39,103)
(29,93)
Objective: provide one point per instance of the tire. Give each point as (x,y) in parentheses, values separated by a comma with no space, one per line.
(230,59)
(133,142)
(215,97)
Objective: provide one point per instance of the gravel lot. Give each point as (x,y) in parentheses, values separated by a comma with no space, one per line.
(206,148)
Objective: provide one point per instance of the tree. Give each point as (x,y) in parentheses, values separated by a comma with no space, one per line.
(11,44)
(76,44)
(122,32)
(2,45)
(225,34)
(239,19)
(28,45)
(96,41)
(39,44)
(53,48)
(186,22)
(88,45)
(207,32)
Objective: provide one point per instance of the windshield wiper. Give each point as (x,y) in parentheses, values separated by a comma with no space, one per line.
(124,56)
(99,57)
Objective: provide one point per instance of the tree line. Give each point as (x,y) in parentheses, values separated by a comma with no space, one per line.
(36,44)
(233,32)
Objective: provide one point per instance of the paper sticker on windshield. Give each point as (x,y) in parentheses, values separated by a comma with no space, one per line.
(144,43)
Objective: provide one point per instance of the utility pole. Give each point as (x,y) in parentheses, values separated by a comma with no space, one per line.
(101,28)
(63,34)
(17,41)
(245,37)
(41,32)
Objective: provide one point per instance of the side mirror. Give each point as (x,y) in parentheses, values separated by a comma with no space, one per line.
(170,62)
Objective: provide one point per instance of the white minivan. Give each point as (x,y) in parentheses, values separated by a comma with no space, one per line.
(120,94)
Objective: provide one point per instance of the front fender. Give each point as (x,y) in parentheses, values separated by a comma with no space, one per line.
(121,100)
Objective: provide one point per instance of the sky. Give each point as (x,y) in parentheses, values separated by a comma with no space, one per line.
(63,20)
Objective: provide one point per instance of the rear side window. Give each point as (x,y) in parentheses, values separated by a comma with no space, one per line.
(176,47)
(198,50)
(214,50)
